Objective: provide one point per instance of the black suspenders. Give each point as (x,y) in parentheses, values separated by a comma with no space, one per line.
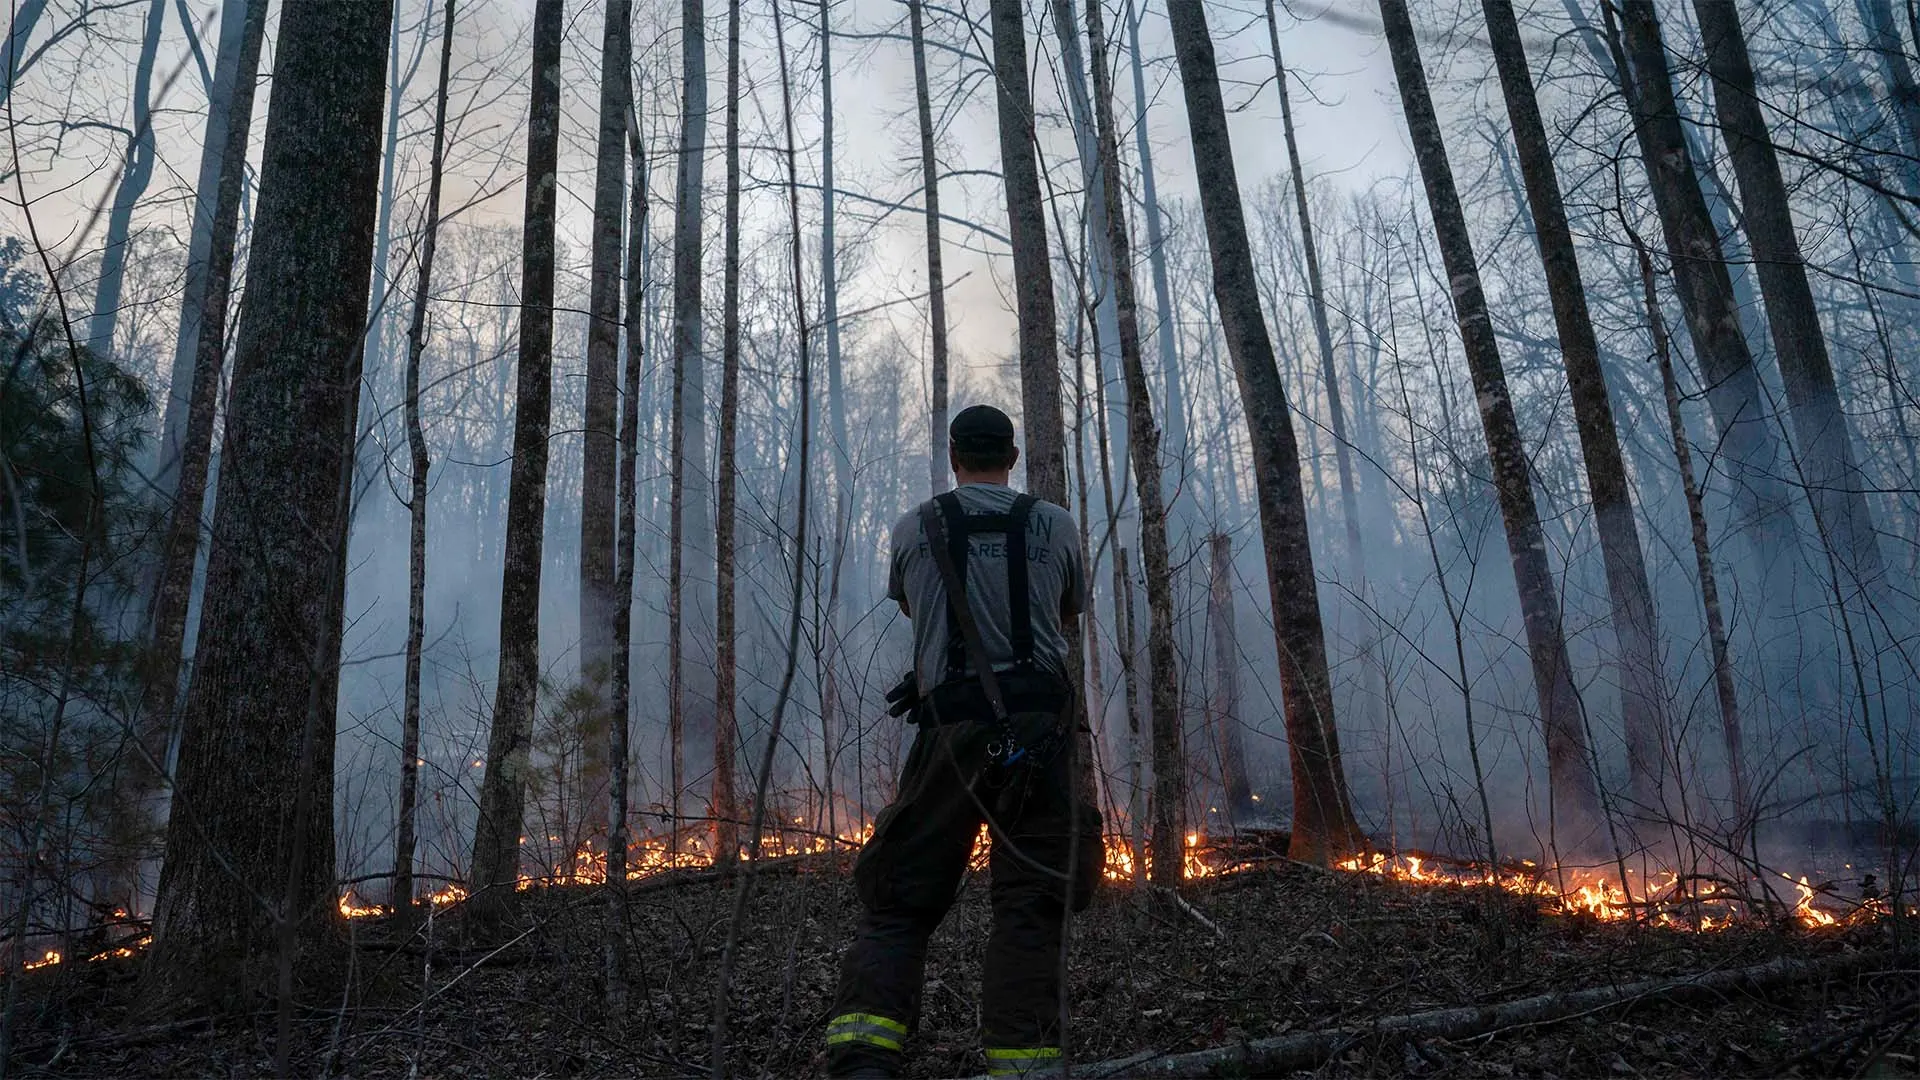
(1013,524)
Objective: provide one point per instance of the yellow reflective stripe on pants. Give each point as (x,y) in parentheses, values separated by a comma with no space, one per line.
(1006,1061)
(869,1028)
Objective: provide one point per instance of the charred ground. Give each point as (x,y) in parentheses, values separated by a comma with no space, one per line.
(1296,949)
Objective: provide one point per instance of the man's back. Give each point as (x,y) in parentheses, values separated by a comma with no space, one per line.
(1054,576)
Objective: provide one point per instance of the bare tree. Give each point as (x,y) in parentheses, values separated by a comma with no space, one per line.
(936,275)
(1734,394)
(690,528)
(496,840)
(1570,772)
(1642,715)
(180,543)
(1323,823)
(725,729)
(253,799)
(402,895)
(136,171)
(1827,459)
(598,467)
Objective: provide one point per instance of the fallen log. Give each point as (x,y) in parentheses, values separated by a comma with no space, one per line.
(1309,1049)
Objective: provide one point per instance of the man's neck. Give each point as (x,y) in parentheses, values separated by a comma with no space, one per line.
(997,479)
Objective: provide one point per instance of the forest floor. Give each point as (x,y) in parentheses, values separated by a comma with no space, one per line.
(1296,949)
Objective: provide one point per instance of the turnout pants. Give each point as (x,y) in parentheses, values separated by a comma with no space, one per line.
(909,872)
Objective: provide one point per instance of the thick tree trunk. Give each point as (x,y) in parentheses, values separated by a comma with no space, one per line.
(1570,771)
(402,895)
(173,590)
(726,811)
(1831,469)
(135,172)
(598,598)
(1642,714)
(1749,449)
(503,790)
(1169,758)
(258,727)
(691,527)
(1323,826)
(1728,697)
(1033,276)
(936,275)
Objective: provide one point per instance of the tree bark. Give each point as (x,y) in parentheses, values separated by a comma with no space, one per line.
(503,790)
(417,493)
(1224,700)
(259,720)
(691,527)
(173,589)
(1728,697)
(1174,444)
(831,724)
(620,726)
(1642,714)
(1032,274)
(1573,792)
(1734,394)
(238,27)
(1169,757)
(1323,828)
(1835,483)
(936,274)
(598,597)
(726,809)
(1317,302)
(135,173)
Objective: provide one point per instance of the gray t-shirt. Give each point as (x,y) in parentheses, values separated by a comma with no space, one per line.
(1053,574)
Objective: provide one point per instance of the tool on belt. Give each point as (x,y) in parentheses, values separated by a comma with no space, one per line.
(1029,704)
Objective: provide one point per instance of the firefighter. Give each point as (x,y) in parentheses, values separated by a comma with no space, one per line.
(991,696)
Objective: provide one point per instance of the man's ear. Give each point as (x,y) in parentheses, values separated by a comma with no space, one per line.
(1015,459)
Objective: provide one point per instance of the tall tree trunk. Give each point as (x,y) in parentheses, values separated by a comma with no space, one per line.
(598,598)
(1570,772)
(1728,697)
(1169,758)
(238,27)
(1831,469)
(620,728)
(1033,276)
(254,796)
(503,790)
(1323,825)
(691,526)
(936,275)
(830,721)
(173,589)
(1317,301)
(135,172)
(1751,454)
(1642,715)
(726,811)
(402,895)
(1174,443)
(1225,697)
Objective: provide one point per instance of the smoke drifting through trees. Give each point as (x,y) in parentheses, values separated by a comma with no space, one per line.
(1421,528)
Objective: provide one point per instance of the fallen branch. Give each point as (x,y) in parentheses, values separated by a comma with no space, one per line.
(1306,1050)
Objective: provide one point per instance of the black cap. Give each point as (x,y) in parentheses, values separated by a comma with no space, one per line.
(981,425)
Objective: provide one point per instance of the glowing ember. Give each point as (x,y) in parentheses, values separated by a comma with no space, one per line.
(51,958)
